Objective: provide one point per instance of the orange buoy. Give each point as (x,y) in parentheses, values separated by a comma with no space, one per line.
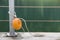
(17,23)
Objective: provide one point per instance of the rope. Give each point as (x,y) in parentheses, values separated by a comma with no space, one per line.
(27,27)
(25,24)
(23,29)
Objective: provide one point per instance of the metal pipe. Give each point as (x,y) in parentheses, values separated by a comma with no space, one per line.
(11,11)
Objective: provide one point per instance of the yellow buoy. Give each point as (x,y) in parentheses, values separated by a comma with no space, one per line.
(17,23)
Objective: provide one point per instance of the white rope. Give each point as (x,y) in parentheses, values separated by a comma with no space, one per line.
(27,27)
(25,24)
(23,29)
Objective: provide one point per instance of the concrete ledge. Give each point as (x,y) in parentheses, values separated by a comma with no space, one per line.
(31,36)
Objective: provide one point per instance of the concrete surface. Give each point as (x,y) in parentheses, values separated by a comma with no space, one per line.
(31,36)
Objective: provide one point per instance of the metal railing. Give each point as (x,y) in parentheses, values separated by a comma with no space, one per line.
(35,20)
(34,6)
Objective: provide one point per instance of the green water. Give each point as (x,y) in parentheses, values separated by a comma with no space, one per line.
(33,14)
